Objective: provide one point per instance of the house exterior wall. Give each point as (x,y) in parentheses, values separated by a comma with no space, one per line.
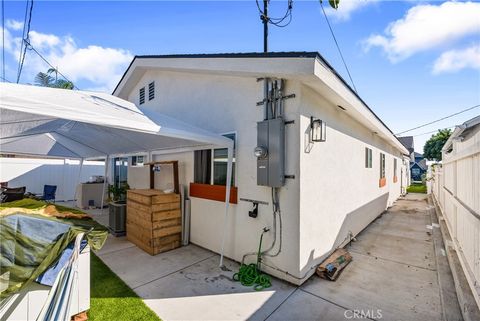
(224,104)
(314,221)
(338,194)
(456,188)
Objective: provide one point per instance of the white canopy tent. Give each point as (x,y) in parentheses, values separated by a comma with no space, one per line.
(50,122)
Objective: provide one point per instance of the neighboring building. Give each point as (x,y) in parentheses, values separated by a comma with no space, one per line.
(456,188)
(419,167)
(407,141)
(337,182)
(418,164)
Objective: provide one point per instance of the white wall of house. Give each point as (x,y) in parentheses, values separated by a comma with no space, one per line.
(228,104)
(34,173)
(456,187)
(338,194)
(332,193)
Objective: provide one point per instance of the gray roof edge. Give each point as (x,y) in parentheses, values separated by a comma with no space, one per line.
(459,129)
(287,54)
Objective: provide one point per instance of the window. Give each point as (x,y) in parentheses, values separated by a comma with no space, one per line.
(210,166)
(142,95)
(120,169)
(137,160)
(151,90)
(220,161)
(383,181)
(395,170)
(382,165)
(368,157)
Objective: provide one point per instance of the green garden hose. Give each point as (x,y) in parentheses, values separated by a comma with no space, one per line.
(250,274)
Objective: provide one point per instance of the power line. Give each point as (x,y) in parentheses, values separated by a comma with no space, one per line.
(278,22)
(5,79)
(338,47)
(440,119)
(30,47)
(433,131)
(3,39)
(25,37)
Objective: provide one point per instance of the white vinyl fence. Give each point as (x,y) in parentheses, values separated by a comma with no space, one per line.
(456,188)
(34,173)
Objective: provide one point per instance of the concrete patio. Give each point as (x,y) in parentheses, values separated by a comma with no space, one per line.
(398,272)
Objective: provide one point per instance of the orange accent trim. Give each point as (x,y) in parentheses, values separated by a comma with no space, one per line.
(213,192)
(395,179)
(382,182)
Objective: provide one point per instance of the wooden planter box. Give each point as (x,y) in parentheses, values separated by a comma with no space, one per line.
(154,220)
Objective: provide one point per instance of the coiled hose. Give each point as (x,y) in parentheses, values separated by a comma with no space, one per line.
(250,274)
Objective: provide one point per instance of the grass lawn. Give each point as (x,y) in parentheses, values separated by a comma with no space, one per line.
(417,188)
(111,298)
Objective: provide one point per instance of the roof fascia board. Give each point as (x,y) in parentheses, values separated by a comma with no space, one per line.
(284,67)
(299,67)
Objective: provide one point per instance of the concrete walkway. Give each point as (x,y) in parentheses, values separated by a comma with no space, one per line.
(394,275)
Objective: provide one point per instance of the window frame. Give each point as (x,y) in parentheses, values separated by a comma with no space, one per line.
(368,158)
(383,170)
(136,163)
(234,162)
(395,167)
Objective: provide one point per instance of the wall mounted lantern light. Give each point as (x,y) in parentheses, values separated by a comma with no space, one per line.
(156,168)
(318,130)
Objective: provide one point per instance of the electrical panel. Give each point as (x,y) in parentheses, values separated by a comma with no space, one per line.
(271,154)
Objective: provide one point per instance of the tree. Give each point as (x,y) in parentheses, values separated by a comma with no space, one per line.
(46,80)
(433,147)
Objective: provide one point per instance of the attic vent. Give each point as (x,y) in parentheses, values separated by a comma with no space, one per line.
(151,90)
(142,95)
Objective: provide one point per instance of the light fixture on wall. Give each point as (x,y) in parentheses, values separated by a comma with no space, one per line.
(318,130)
(156,168)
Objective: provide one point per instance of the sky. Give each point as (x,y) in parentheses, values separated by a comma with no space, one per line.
(412,62)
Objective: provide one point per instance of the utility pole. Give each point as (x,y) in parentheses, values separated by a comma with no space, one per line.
(264,18)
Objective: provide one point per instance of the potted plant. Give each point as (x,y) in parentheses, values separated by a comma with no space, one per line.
(117,208)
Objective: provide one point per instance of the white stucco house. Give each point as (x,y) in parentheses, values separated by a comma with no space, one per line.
(333,188)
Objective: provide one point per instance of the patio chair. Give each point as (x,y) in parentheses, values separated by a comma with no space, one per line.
(49,193)
(12,194)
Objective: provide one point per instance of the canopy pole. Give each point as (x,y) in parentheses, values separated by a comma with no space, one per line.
(78,180)
(227,200)
(104,181)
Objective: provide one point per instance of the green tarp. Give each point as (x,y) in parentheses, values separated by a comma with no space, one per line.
(31,242)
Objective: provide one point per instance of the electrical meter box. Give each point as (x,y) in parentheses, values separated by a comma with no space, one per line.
(271,164)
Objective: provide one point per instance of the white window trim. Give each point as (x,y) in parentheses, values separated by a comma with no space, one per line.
(212,174)
(142,164)
(366,158)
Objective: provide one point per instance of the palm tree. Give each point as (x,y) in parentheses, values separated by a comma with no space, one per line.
(45,80)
